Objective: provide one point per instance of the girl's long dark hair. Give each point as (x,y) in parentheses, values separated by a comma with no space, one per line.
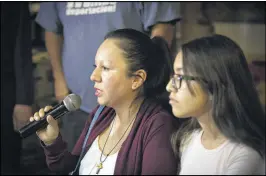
(237,111)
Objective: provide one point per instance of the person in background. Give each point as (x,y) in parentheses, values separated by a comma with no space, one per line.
(132,134)
(225,131)
(74,31)
(16,81)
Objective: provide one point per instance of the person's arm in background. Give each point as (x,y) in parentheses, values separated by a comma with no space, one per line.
(23,70)
(53,43)
(49,20)
(164,30)
(160,18)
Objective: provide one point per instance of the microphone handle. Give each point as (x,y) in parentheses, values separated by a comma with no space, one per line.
(57,112)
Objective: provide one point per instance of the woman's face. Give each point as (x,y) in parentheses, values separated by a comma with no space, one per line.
(112,85)
(184,103)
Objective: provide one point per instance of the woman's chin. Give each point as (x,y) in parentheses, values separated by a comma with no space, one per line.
(101,101)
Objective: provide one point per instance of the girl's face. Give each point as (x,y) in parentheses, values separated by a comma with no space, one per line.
(184,103)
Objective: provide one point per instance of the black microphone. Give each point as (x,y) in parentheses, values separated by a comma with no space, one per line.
(71,102)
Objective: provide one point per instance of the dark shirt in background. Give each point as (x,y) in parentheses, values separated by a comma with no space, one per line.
(16,77)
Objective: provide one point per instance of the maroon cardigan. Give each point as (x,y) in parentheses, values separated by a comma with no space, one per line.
(146,151)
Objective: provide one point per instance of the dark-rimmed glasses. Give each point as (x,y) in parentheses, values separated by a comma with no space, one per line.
(177,80)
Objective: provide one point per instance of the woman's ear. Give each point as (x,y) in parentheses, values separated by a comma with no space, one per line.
(138,79)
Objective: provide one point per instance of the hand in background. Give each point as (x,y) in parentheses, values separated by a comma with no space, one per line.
(21,115)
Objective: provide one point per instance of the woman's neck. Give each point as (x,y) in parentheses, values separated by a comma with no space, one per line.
(127,111)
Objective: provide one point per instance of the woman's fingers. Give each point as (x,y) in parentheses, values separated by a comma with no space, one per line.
(47,108)
(36,116)
(31,119)
(41,112)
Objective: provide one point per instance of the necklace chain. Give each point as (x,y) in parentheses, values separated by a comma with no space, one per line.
(100,165)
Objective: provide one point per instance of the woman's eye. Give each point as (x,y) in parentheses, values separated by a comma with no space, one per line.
(94,65)
(105,68)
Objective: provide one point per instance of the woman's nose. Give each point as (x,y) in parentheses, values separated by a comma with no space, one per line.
(96,75)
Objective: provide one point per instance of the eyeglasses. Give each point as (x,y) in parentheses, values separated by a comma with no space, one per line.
(177,80)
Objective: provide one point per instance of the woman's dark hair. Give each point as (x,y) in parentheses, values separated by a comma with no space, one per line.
(237,111)
(151,55)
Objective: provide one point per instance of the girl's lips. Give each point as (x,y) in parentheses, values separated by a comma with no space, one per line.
(172,100)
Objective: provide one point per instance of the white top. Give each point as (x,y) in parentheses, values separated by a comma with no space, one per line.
(228,159)
(92,158)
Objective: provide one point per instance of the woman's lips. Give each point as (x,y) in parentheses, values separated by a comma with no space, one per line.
(98,92)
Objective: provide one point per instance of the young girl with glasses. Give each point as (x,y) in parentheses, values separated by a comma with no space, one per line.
(224,133)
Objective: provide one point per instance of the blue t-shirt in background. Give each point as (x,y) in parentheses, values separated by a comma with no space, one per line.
(84,25)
